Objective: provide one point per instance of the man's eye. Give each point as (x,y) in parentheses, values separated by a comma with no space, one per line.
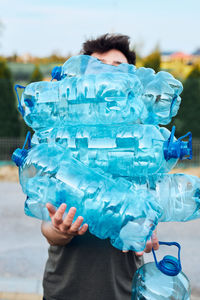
(117,63)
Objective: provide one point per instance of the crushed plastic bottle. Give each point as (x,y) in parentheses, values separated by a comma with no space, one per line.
(123,150)
(97,146)
(161,281)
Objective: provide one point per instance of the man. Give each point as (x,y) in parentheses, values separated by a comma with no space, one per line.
(81,266)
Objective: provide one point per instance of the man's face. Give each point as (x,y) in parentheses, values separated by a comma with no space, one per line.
(112,57)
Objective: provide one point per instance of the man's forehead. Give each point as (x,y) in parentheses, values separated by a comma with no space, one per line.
(113,57)
(111,62)
(86,64)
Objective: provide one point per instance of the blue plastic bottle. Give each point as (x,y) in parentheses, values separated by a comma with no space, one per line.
(161,281)
(122,150)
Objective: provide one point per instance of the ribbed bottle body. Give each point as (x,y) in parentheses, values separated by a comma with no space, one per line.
(149,283)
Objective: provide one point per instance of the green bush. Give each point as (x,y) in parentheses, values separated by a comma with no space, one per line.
(188,115)
(9,117)
(36,75)
(153,61)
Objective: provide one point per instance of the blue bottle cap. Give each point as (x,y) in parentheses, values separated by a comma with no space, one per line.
(56,73)
(18,156)
(169,265)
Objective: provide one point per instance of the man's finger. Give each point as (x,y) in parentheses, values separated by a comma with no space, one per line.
(83,229)
(67,222)
(155,242)
(76,225)
(139,253)
(51,209)
(58,216)
(148,247)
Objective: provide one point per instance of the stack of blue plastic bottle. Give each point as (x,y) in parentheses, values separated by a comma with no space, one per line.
(98,146)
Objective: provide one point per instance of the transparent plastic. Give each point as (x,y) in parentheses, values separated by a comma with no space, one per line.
(98,146)
(150,283)
(91,92)
(162,280)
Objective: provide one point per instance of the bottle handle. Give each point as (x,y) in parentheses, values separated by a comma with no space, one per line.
(169,265)
(28,138)
(20,107)
(178,149)
(189,135)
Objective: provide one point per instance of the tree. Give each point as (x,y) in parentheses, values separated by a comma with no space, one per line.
(153,60)
(36,75)
(9,117)
(188,115)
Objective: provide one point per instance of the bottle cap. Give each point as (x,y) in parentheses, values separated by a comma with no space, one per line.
(56,73)
(169,265)
(178,149)
(19,155)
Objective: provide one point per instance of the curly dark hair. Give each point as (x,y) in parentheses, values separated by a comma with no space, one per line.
(108,42)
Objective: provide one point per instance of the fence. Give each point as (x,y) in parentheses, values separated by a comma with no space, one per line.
(8,145)
(195,162)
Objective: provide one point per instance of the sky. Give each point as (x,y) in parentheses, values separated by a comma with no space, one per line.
(41,27)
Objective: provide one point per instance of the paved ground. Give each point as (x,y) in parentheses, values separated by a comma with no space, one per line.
(23,251)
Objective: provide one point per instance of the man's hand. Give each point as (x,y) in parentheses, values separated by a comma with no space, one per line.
(61,230)
(153,243)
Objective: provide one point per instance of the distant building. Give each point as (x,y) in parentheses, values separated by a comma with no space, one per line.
(166,55)
(185,58)
(182,57)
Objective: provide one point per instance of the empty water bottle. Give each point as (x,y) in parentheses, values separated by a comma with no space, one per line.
(161,281)
(160,95)
(177,194)
(123,150)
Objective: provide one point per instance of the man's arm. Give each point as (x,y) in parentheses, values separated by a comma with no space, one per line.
(60,231)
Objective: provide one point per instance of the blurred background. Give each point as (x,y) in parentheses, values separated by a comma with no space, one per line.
(37,35)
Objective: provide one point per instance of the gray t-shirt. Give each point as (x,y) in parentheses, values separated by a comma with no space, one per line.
(89,268)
